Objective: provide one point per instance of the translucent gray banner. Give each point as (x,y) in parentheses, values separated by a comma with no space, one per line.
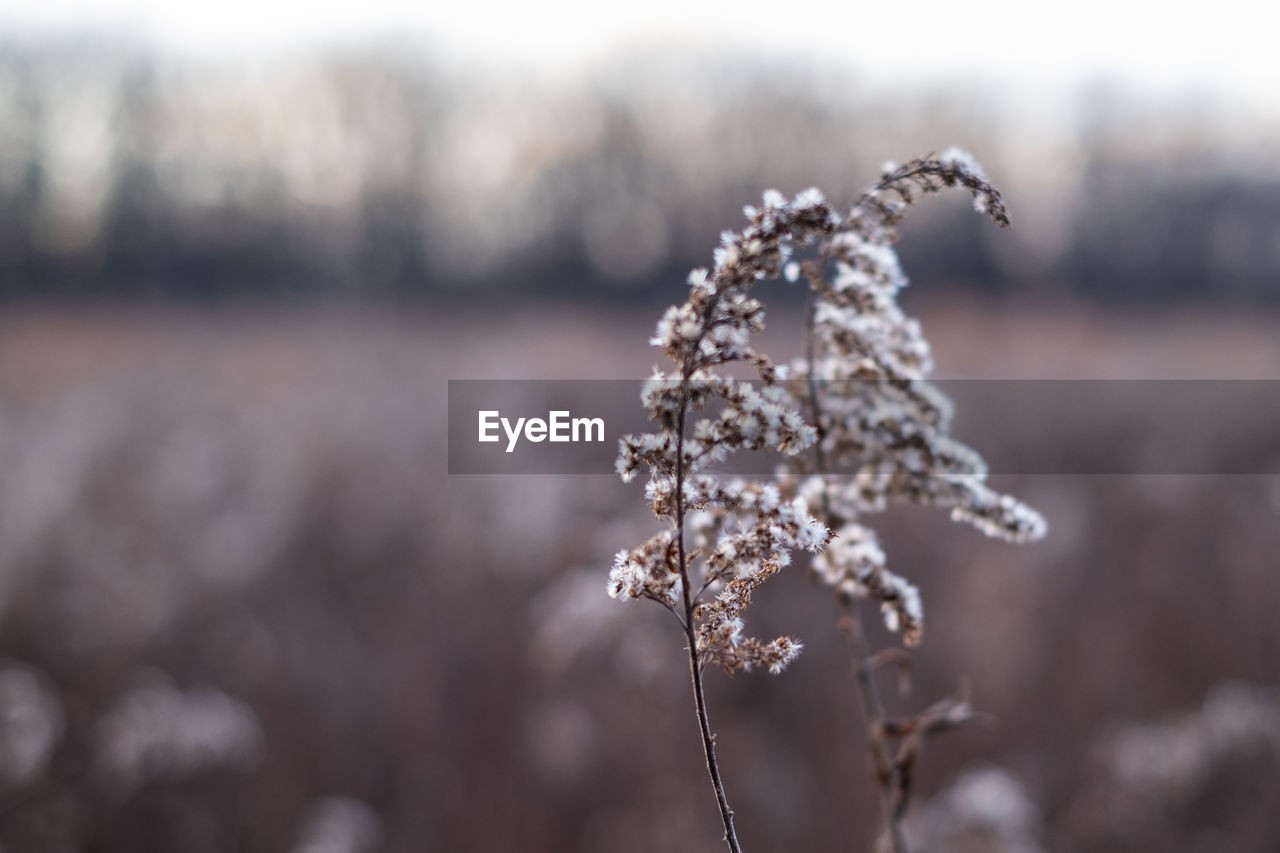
(1018,426)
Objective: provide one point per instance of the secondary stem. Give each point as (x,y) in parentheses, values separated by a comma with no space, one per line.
(873,712)
(868,694)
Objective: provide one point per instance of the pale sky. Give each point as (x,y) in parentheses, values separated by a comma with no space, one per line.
(1226,44)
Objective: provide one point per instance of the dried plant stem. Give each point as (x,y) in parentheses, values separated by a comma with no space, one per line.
(886,769)
(895,429)
(709,745)
(695,664)
(815,408)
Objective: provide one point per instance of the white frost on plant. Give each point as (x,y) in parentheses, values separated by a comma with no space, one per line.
(884,426)
(879,417)
(958,158)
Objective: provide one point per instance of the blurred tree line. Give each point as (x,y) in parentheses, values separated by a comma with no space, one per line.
(397,172)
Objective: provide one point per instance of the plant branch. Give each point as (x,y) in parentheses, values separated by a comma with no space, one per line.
(886,769)
(695,666)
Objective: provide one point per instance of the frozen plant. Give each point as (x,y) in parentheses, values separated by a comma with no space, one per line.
(887,430)
(879,421)
(739,533)
(723,538)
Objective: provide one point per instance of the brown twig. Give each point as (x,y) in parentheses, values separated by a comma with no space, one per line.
(868,694)
(887,770)
(695,665)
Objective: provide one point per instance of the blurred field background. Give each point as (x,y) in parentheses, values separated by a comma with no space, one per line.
(243,606)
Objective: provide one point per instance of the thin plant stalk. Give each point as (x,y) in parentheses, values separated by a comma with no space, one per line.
(886,770)
(864,679)
(695,665)
(745,531)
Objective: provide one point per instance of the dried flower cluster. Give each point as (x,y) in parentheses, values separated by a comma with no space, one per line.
(887,430)
(869,411)
(880,421)
(743,531)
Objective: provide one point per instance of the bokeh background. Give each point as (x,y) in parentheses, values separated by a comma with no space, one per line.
(242,250)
